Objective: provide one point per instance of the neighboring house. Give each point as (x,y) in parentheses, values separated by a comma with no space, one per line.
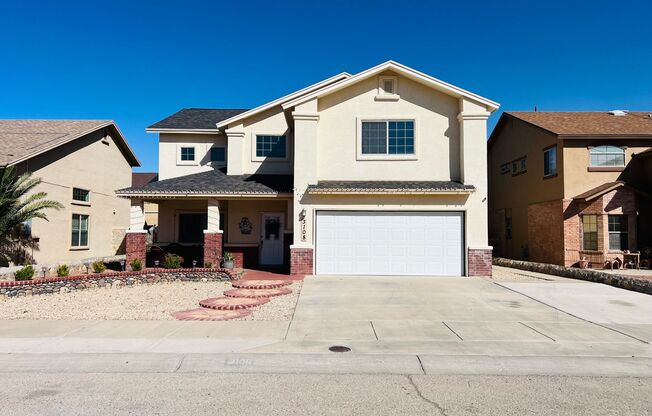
(81,164)
(562,185)
(150,209)
(378,173)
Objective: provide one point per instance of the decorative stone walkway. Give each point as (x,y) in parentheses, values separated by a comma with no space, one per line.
(248,293)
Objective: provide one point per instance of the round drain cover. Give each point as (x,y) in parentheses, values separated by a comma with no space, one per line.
(339,348)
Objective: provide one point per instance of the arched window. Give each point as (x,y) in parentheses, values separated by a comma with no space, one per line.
(607,156)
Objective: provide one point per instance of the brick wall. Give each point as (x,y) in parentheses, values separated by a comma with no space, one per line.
(546,232)
(479,262)
(213,248)
(301,261)
(136,247)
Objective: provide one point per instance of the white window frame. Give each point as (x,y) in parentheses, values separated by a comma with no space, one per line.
(217,163)
(552,150)
(255,158)
(623,148)
(186,162)
(384,95)
(78,202)
(88,231)
(361,156)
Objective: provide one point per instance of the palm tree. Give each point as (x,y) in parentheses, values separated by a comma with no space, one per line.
(16,207)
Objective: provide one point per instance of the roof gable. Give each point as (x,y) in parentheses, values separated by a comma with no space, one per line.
(400,70)
(24,139)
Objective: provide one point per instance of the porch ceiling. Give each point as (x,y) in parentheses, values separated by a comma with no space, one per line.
(213,183)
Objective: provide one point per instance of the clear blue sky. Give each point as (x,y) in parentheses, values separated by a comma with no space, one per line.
(137,62)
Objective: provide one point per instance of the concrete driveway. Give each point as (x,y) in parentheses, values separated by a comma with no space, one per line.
(528,316)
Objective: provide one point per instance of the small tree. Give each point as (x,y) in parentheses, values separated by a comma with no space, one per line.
(17,207)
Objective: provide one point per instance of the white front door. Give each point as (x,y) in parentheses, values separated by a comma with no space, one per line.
(390,243)
(271,239)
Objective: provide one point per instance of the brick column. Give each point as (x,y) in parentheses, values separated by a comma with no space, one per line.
(136,246)
(301,261)
(213,248)
(480,261)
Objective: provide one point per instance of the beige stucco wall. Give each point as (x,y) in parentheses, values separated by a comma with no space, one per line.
(168,153)
(85,163)
(518,192)
(578,178)
(437,144)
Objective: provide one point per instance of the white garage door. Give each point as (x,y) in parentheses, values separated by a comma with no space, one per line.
(389,243)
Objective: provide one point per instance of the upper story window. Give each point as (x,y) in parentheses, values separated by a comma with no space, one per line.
(607,156)
(391,137)
(519,166)
(81,195)
(218,154)
(271,146)
(550,161)
(187,154)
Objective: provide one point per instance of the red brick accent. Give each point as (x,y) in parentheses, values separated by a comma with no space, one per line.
(136,247)
(479,262)
(545,232)
(301,261)
(213,248)
(238,259)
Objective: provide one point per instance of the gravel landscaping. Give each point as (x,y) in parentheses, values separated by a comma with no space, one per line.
(142,302)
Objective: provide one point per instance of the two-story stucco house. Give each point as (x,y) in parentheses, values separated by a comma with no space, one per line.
(566,186)
(81,163)
(378,173)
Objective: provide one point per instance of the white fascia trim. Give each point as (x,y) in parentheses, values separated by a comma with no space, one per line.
(184,131)
(294,95)
(403,70)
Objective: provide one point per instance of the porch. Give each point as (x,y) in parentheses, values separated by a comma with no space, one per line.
(200,216)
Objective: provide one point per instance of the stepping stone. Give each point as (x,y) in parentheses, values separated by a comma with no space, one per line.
(203,314)
(261,284)
(257,293)
(232,303)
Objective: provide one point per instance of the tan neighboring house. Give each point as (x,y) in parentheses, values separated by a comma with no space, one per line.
(81,164)
(378,173)
(150,208)
(565,186)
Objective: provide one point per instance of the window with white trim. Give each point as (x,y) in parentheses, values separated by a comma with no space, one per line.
(607,156)
(550,161)
(618,232)
(271,146)
(187,154)
(79,230)
(391,137)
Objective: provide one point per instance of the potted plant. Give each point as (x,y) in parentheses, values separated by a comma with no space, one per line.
(227,260)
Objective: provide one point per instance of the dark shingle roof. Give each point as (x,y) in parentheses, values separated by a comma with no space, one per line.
(600,190)
(588,122)
(196,118)
(215,182)
(389,186)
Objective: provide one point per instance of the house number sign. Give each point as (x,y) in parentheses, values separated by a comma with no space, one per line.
(302,221)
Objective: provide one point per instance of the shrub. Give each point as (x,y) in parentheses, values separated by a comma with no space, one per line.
(98,266)
(63,270)
(173,261)
(136,265)
(208,264)
(26,273)
(228,256)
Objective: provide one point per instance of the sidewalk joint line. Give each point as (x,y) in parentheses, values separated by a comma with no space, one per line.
(570,314)
(421,364)
(537,331)
(451,329)
(374,329)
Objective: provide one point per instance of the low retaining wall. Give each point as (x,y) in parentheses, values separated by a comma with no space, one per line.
(117,279)
(617,280)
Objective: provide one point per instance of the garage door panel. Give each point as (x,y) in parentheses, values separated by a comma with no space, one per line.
(389,243)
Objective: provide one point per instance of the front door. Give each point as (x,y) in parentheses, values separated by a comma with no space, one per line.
(271,239)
